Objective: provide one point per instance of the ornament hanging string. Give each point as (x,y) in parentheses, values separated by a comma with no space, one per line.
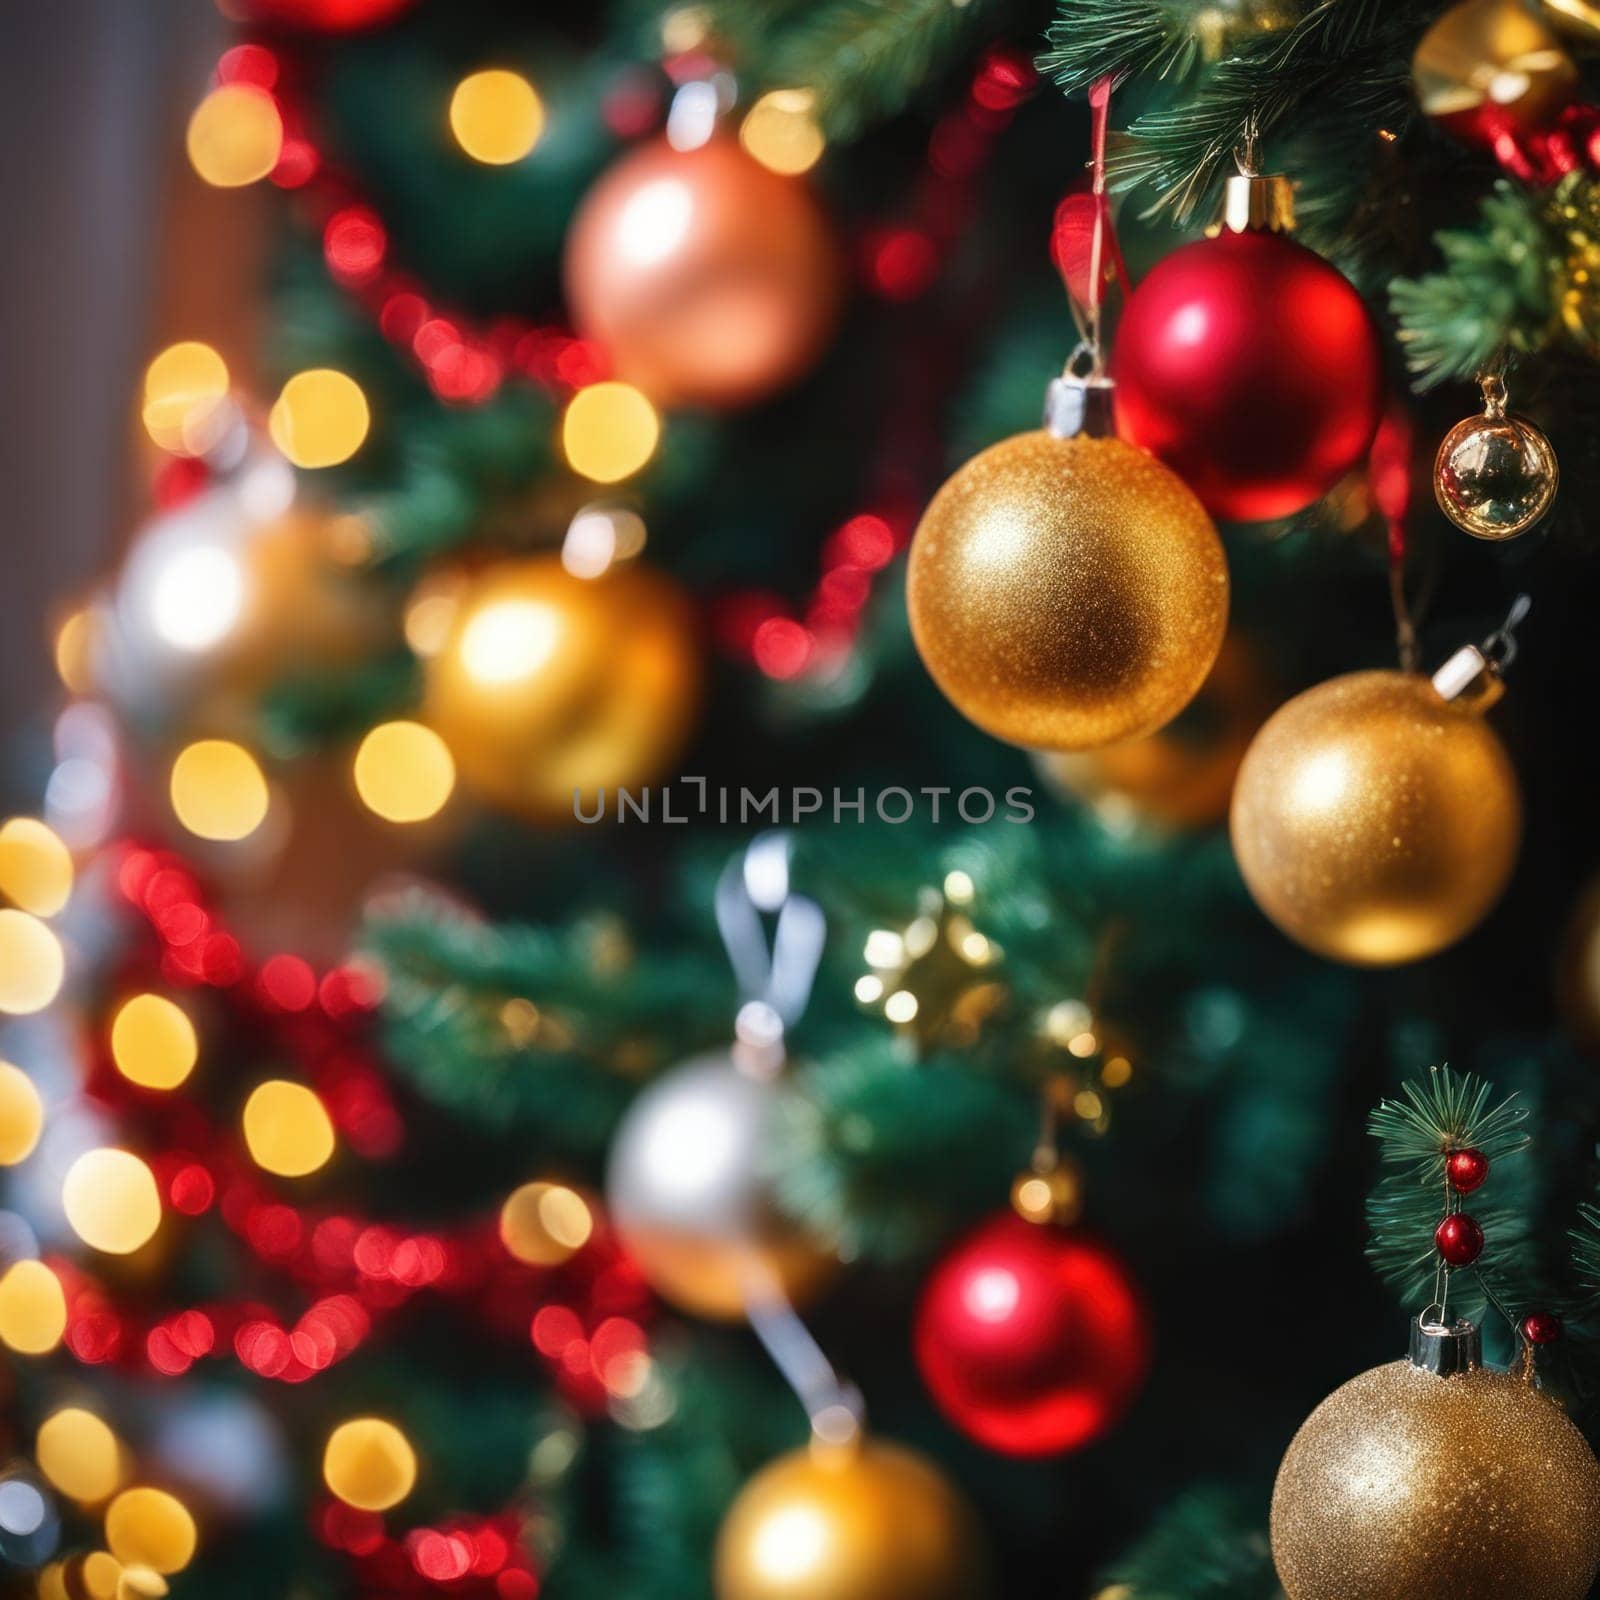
(1083,244)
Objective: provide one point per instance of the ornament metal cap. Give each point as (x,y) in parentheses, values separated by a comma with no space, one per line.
(1254,202)
(1080,406)
(1445,1349)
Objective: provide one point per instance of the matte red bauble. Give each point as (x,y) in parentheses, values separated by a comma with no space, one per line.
(325,16)
(1252,368)
(709,279)
(1031,1340)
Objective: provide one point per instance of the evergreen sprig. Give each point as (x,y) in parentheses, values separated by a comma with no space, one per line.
(1208,1545)
(1449,1111)
(1492,297)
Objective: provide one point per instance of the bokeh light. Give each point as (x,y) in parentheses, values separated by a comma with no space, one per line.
(545,1223)
(21,1115)
(35,867)
(150,1528)
(496,116)
(73,651)
(31,963)
(404,772)
(320,418)
(218,790)
(287,1129)
(183,388)
(111,1201)
(33,1309)
(780,130)
(610,431)
(79,1454)
(509,640)
(235,136)
(196,596)
(141,1583)
(369,1464)
(153,1042)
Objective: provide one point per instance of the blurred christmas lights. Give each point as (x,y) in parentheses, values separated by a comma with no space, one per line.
(80,1455)
(31,963)
(369,1464)
(287,1129)
(33,1309)
(496,116)
(610,430)
(184,388)
(111,1201)
(21,1115)
(320,418)
(35,867)
(404,772)
(543,1224)
(235,136)
(780,130)
(218,790)
(153,1042)
(150,1528)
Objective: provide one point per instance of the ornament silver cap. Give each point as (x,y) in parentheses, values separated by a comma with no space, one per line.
(1080,407)
(1445,1348)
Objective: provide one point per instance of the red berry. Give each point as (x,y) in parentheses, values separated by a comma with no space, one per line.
(1460,1239)
(1541,1327)
(1466,1170)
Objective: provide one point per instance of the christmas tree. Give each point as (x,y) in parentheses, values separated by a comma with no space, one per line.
(671,951)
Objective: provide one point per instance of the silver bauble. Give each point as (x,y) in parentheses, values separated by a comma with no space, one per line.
(688,1185)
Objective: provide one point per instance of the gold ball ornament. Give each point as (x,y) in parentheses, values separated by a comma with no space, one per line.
(1406,1483)
(710,279)
(1491,67)
(860,1521)
(1067,593)
(1375,821)
(548,684)
(1181,776)
(1495,474)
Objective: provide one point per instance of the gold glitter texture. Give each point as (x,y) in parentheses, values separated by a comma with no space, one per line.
(1374,821)
(1403,1484)
(1067,593)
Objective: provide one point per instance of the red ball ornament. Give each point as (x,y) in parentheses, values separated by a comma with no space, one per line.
(708,279)
(1541,1327)
(1252,368)
(1031,1340)
(1466,1170)
(1460,1239)
(325,16)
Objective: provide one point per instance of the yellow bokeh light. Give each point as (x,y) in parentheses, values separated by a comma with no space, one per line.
(35,867)
(183,387)
(141,1583)
(780,130)
(610,430)
(73,651)
(33,1309)
(99,1575)
(218,790)
(544,1223)
(320,418)
(80,1455)
(369,1464)
(111,1201)
(53,1583)
(31,963)
(21,1115)
(496,116)
(150,1528)
(287,1129)
(153,1042)
(235,136)
(404,772)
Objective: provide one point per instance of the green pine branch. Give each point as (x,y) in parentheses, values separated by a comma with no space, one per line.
(1492,297)
(1450,1111)
(866,60)
(1208,1545)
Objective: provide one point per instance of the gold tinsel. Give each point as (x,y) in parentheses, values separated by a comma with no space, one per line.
(1575,208)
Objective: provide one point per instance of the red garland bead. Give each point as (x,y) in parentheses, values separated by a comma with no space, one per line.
(1460,1239)
(325,16)
(1252,368)
(1541,1327)
(1466,1170)
(1031,1339)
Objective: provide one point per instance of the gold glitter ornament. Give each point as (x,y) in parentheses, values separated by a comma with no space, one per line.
(1495,474)
(1410,1481)
(1374,820)
(857,1521)
(1067,592)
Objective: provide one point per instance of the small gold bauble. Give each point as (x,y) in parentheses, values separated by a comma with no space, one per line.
(547,684)
(1374,821)
(1495,474)
(1182,776)
(1403,1484)
(1067,593)
(864,1521)
(1489,67)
